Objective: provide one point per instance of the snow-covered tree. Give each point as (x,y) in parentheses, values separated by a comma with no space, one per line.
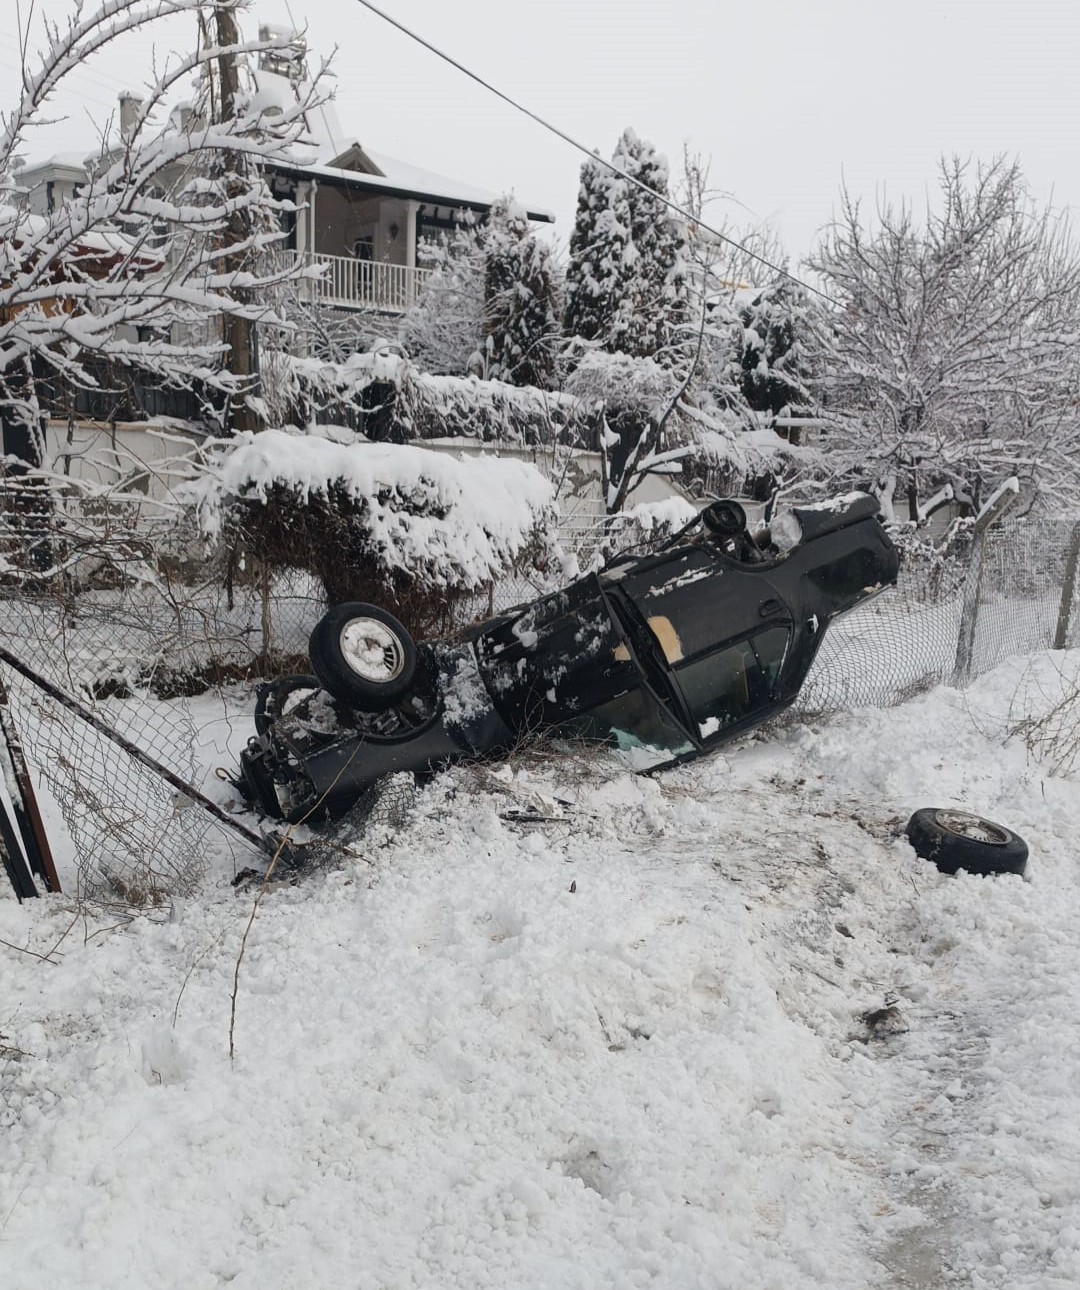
(490,307)
(952,350)
(652,315)
(166,237)
(443,331)
(520,301)
(626,288)
(776,330)
(638,397)
(598,275)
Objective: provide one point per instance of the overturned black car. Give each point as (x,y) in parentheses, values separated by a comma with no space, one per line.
(667,655)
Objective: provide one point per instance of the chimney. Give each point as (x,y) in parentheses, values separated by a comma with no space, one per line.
(130,107)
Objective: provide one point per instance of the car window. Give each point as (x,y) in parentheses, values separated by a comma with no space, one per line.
(729,684)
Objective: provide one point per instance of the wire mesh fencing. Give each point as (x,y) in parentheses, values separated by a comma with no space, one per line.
(951,618)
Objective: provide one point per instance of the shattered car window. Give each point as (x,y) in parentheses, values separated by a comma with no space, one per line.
(633,720)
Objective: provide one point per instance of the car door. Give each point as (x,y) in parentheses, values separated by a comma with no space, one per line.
(721,633)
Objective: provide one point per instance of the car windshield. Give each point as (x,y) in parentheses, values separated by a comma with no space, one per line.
(729,684)
(634,722)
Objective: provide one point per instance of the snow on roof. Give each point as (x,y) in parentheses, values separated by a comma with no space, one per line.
(25,229)
(400,178)
(58,161)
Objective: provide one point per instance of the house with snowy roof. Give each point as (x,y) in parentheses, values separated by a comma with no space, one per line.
(361,215)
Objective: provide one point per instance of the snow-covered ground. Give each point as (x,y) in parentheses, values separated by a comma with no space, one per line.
(624,1047)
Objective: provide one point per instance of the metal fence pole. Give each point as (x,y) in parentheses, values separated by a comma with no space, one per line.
(1061,635)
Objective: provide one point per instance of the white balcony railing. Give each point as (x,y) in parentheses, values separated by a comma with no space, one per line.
(361,284)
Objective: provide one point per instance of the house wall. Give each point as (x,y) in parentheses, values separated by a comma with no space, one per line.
(341,217)
(49,187)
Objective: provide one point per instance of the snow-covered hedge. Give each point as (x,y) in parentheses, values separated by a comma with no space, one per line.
(390,399)
(388,522)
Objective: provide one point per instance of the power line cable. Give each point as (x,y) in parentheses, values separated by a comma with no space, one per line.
(574,143)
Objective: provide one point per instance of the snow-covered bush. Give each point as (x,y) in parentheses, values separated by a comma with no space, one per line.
(390,399)
(397,524)
(644,527)
(490,306)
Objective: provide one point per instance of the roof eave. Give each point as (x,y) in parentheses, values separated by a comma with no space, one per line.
(395,190)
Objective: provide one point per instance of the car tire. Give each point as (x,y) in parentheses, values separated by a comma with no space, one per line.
(955,840)
(272,697)
(724,519)
(363,656)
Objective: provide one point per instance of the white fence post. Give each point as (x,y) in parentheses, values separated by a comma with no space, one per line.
(965,646)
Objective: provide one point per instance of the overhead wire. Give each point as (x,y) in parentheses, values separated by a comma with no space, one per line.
(588,152)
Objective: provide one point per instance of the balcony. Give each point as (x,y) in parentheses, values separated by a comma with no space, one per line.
(348,283)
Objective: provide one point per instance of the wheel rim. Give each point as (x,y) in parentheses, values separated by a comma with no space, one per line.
(973,827)
(287,699)
(372,650)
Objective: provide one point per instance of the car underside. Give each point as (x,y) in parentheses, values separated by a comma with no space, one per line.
(667,655)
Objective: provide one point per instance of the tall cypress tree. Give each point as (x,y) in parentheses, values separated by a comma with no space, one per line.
(626,283)
(656,305)
(520,301)
(601,251)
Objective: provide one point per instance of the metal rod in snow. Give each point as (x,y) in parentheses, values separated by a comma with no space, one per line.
(24,800)
(170,777)
(18,871)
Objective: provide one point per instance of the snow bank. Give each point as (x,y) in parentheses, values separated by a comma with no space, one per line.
(624,1046)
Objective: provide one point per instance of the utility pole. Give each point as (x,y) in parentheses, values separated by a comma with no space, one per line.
(238,333)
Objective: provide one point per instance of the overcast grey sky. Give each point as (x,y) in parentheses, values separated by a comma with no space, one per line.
(785,99)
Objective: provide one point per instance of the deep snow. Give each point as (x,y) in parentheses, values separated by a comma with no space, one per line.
(623,1047)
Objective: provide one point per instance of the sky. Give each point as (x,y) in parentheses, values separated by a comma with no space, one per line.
(785,102)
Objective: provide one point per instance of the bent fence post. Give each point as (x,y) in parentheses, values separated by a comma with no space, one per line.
(15,866)
(103,728)
(23,799)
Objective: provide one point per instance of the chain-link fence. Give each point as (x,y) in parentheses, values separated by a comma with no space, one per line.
(952,618)
(135,640)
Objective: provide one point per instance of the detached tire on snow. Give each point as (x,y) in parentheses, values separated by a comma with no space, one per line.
(955,840)
(363,656)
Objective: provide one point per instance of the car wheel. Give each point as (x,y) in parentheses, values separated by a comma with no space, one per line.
(724,519)
(273,699)
(363,656)
(958,840)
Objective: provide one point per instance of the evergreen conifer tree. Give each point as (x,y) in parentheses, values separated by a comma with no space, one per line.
(520,301)
(626,282)
(598,275)
(655,306)
(774,371)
